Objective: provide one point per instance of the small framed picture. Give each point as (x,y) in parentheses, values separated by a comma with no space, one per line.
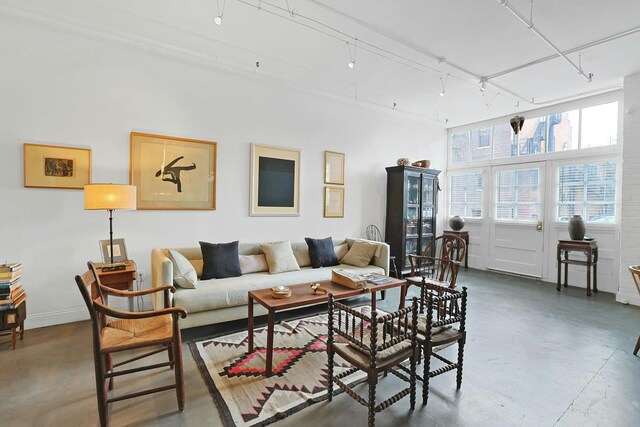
(119,251)
(333,168)
(333,202)
(50,166)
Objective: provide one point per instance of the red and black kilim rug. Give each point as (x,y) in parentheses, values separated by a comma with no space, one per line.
(243,396)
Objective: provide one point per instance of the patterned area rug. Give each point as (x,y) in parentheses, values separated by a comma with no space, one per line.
(236,382)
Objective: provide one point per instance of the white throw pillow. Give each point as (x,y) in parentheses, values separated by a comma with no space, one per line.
(360,253)
(341,251)
(280,257)
(303,259)
(253,263)
(184,274)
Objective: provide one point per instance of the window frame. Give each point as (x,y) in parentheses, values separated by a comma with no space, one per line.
(483,202)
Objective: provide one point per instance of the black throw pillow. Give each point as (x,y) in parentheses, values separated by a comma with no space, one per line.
(220,260)
(321,252)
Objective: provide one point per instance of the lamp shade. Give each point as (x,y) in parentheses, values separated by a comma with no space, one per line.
(109,196)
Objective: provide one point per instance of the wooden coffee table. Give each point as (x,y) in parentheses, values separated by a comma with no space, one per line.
(302,296)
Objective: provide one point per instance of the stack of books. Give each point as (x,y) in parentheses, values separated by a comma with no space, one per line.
(11,292)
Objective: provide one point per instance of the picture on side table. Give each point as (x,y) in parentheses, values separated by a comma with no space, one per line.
(119,251)
(333,202)
(275,181)
(51,166)
(173,173)
(333,168)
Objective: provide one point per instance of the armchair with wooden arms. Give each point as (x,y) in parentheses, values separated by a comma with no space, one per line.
(374,345)
(439,262)
(128,331)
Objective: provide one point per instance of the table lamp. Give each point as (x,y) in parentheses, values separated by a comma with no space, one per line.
(110,197)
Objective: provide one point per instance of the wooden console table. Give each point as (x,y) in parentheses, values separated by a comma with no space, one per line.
(590,249)
(121,280)
(464,235)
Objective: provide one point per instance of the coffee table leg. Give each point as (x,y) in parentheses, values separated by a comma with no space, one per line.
(373,300)
(403,296)
(250,323)
(268,370)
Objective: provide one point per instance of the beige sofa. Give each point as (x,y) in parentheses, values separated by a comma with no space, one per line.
(221,300)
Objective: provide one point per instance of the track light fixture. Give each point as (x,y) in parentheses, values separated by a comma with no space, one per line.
(444,84)
(218,19)
(257,66)
(352,54)
(483,84)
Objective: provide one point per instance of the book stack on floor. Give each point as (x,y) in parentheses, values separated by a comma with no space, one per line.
(11,292)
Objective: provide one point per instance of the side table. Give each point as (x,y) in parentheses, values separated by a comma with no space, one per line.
(464,235)
(13,319)
(121,280)
(590,249)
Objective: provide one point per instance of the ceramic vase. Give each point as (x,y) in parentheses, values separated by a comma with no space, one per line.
(577,228)
(456,223)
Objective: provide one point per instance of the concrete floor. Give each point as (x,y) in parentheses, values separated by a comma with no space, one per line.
(533,357)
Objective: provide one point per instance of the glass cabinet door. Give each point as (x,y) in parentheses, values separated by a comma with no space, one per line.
(413,189)
(412,219)
(427,191)
(427,220)
(411,248)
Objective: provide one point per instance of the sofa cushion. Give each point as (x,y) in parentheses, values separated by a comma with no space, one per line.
(280,257)
(253,263)
(321,252)
(184,274)
(302,257)
(220,260)
(341,251)
(360,253)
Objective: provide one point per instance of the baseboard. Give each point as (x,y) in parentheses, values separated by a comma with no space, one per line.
(51,318)
(628,298)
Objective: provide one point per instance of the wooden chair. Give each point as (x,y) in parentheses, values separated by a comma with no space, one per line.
(635,272)
(439,262)
(443,325)
(373,233)
(127,331)
(373,345)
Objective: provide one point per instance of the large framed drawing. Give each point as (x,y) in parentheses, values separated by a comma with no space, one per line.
(275,181)
(173,173)
(333,168)
(51,166)
(334,202)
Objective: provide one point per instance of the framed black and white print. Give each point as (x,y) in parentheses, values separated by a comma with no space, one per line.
(275,181)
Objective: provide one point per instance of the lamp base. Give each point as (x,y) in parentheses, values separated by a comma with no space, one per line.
(113,267)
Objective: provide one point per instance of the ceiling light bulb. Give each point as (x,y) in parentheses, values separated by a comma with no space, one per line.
(483,87)
(442,93)
(351,64)
(218,20)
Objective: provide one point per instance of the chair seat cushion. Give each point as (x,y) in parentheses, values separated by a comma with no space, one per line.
(125,334)
(388,357)
(442,339)
(418,280)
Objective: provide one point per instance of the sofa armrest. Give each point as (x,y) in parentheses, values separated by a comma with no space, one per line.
(381,257)
(161,275)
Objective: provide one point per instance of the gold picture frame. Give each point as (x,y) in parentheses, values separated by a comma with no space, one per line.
(275,181)
(53,166)
(334,202)
(173,173)
(333,168)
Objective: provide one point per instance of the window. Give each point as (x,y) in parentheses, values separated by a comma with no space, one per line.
(481,144)
(518,194)
(600,125)
(532,138)
(589,190)
(465,195)
(460,147)
(563,131)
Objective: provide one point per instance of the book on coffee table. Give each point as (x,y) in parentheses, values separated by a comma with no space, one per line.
(348,278)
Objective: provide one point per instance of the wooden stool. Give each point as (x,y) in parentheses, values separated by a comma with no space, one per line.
(13,319)
(590,249)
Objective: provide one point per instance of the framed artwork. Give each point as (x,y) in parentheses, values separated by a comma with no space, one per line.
(51,166)
(119,251)
(333,202)
(333,168)
(173,173)
(275,181)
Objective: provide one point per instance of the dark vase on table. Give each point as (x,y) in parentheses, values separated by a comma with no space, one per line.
(577,228)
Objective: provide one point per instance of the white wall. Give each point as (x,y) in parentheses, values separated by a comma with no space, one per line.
(59,86)
(630,225)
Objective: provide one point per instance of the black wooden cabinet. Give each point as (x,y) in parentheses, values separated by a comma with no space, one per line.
(412,204)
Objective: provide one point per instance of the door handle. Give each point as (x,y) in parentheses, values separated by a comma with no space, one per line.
(539,226)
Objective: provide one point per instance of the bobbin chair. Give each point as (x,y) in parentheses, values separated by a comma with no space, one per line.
(439,262)
(130,331)
(635,272)
(374,345)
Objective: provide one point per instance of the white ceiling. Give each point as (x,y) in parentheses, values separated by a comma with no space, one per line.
(473,38)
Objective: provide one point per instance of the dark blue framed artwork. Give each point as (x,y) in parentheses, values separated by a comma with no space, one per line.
(275,181)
